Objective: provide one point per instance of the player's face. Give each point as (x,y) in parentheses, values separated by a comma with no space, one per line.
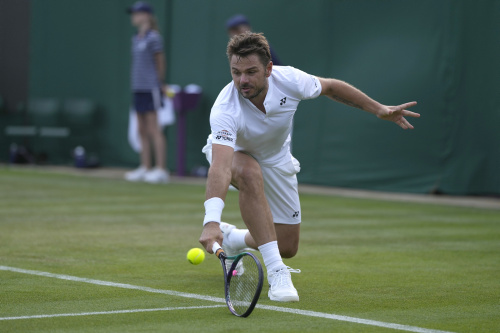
(250,75)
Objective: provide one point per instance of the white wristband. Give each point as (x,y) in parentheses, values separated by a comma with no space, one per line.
(213,210)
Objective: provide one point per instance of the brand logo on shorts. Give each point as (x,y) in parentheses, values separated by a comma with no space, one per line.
(224,135)
(296,214)
(283,101)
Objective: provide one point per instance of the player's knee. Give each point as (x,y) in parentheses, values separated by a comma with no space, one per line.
(248,175)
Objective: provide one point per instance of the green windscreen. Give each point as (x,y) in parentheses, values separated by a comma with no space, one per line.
(444,54)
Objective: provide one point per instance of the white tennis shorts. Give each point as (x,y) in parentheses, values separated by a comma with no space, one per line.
(280,188)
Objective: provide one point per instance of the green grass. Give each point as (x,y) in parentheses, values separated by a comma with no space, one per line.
(429,266)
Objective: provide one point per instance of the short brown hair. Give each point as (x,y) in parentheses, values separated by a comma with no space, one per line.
(248,43)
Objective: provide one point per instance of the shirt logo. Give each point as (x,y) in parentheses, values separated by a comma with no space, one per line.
(224,135)
(296,214)
(283,101)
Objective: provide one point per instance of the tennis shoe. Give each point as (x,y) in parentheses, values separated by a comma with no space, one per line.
(136,175)
(226,229)
(157,176)
(281,288)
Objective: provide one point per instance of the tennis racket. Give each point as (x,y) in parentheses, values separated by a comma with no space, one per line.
(242,282)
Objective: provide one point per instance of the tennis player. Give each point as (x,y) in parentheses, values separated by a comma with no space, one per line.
(249,148)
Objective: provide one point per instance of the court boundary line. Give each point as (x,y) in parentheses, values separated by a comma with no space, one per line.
(77,314)
(308,313)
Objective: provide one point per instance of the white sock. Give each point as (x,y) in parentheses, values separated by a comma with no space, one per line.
(237,238)
(271,255)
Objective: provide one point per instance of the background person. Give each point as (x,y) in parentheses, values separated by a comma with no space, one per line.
(147,75)
(239,24)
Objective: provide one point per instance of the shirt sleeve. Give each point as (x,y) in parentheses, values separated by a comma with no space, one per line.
(156,43)
(308,86)
(224,129)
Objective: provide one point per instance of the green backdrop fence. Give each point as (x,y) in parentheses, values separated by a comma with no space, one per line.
(444,54)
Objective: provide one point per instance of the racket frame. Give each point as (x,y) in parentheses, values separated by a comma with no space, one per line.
(219,252)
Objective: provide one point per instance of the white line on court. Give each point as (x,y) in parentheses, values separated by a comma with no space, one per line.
(400,327)
(110,312)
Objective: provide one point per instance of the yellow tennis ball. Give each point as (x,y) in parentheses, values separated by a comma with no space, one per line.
(196,256)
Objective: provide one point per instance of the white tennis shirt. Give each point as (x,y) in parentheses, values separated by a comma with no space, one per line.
(237,123)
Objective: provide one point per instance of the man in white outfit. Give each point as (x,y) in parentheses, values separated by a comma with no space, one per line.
(249,148)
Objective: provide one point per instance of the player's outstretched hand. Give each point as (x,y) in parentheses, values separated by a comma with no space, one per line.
(398,113)
(211,234)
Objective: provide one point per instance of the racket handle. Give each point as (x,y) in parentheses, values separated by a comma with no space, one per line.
(217,249)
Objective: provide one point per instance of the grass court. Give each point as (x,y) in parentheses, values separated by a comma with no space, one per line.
(82,254)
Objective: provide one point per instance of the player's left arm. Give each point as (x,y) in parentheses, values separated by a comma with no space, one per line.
(343,92)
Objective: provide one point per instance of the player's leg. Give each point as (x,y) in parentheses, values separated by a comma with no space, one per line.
(287,236)
(281,191)
(288,239)
(256,213)
(267,195)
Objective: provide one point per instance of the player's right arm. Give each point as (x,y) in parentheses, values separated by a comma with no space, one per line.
(218,181)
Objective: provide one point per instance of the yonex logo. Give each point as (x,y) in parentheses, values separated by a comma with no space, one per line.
(283,101)
(224,135)
(296,214)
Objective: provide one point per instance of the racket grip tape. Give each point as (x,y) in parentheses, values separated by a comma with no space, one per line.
(217,249)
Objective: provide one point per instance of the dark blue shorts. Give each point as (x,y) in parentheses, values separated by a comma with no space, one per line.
(147,101)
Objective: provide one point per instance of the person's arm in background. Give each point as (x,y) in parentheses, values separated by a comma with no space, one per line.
(343,92)
(161,65)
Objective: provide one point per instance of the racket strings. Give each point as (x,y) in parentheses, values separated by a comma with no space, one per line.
(244,284)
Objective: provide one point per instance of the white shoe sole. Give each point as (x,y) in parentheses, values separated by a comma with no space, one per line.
(290,298)
(134,180)
(156,181)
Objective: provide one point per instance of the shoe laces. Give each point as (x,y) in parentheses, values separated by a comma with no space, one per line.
(283,277)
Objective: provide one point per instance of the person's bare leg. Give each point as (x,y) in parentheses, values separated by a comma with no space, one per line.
(145,154)
(255,211)
(261,234)
(158,139)
(288,239)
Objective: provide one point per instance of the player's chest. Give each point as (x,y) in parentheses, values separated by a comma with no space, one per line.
(259,126)
(278,104)
(278,109)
